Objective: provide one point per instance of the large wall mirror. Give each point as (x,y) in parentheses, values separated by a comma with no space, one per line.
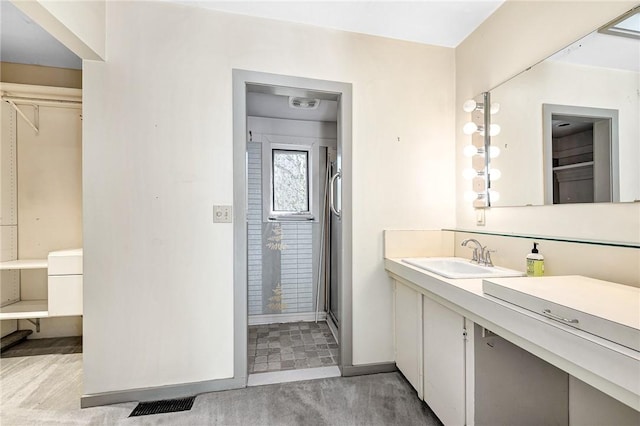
(571,123)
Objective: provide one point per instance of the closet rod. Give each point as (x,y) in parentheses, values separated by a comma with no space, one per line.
(45,102)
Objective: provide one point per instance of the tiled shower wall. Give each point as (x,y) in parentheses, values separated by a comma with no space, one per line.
(279,253)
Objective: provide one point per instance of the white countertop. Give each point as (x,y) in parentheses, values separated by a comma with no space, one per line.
(610,367)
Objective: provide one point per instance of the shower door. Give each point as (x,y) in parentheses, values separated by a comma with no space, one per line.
(335,233)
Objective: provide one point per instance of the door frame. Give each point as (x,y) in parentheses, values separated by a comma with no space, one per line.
(548,111)
(281,84)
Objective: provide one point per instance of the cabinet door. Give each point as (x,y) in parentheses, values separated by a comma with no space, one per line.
(408,334)
(444,362)
(514,387)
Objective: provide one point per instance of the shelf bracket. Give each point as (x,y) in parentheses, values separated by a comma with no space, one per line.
(35,322)
(36,114)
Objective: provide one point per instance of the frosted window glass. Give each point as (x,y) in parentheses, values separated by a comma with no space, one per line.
(290,181)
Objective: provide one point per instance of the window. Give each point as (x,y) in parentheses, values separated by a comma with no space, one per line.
(290,181)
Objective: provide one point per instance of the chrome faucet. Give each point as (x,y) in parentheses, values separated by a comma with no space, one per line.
(477,250)
(481,255)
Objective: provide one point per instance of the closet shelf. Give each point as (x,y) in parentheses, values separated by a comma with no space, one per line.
(25,309)
(24,264)
(573,166)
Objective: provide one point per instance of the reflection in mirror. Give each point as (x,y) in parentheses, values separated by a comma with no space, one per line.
(581,154)
(594,84)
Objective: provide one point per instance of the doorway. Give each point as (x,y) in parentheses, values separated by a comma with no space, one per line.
(581,154)
(292,226)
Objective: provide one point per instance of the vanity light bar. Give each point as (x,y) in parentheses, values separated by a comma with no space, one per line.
(494,174)
(471,105)
(471,127)
(471,150)
(482,195)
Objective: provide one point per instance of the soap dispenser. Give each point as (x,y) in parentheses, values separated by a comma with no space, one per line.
(535,263)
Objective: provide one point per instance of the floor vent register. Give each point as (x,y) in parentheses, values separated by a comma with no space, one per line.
(164,406)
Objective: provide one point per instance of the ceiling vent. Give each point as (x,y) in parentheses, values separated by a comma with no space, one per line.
(303,103)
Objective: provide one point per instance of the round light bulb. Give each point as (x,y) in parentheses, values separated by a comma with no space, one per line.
(470,128)
(495,174)
(469,173)
(470,151)
(495,108)
(494,195)
(494,151)
(470,196)
(469,106)
(494,130)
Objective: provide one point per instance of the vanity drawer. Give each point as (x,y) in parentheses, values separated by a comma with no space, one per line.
(65,295)
(605,309)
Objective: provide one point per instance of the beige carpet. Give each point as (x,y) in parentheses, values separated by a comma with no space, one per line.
(45,389)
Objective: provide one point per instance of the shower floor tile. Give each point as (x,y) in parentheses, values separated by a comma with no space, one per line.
(291,346)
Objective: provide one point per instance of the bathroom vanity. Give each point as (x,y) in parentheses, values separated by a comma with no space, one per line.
(480,359)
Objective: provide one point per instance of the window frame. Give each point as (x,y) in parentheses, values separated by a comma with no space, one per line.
(269,150)
(279,151)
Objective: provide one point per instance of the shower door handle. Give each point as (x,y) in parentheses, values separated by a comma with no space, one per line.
(332,201)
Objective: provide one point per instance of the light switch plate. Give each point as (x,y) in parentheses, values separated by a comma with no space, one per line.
(480,217)
(222,214)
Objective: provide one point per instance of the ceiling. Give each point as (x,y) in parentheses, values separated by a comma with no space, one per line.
(275,106)
(604,51)
(24,42)
(440,23)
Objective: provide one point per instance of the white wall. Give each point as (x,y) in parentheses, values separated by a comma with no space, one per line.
(511,40)
(158,153)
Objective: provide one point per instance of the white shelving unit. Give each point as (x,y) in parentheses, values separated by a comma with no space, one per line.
(24,264)
(24,309)
(64,284)
(40,147)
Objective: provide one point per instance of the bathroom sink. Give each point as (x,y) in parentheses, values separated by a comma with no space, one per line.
(457,267)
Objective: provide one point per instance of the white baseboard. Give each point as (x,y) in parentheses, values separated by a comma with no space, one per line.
(282,318)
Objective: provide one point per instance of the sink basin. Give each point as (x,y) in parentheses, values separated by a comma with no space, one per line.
(457,267)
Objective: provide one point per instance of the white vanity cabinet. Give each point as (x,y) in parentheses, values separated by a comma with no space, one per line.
(530,369)
(444,361)
(408,334)
(430,352)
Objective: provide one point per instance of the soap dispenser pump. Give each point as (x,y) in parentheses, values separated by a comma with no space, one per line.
(535,263)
